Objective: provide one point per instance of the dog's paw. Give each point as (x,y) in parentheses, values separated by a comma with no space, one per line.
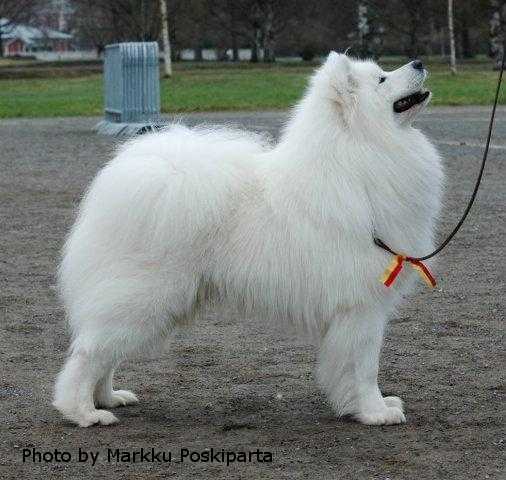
(85,417)
(394,402)
(390,415)
(118,398)
(102,417)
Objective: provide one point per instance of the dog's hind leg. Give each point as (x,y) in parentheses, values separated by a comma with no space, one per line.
(74,389)
(348,369)
(85,382)
(123,315)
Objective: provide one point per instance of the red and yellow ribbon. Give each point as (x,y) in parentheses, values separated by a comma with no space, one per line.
(395,267)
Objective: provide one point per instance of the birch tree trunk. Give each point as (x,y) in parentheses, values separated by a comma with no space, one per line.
(453,61)
(362,29)
(268,36)
(167,62)
(497,31)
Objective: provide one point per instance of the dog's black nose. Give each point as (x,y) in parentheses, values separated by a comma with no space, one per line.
(417,64)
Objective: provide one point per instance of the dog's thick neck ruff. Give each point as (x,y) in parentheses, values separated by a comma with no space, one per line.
(389,135)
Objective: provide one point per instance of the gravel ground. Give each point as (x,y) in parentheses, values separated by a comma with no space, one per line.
(236,385)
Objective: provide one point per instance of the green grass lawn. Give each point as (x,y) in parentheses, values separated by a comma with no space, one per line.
(221,88)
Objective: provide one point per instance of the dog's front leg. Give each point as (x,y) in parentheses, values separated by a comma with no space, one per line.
(348,369)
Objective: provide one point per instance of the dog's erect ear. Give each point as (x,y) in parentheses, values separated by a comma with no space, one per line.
(339,72)
(333,56)
(337,59)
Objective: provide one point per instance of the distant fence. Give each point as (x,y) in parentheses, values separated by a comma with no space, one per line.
(211,54)
(70,55)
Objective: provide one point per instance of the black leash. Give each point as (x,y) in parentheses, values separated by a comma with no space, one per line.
(384,246)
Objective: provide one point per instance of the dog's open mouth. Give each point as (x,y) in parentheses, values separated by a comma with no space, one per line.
(406,103)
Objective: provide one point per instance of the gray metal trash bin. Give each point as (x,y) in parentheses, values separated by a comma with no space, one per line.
(131,89)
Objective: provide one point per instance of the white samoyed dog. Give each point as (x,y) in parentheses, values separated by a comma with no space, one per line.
(284,231)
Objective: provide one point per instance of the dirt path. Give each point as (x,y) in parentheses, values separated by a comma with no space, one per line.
(234,385)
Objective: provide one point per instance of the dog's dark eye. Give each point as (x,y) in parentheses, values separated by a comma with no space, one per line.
(382,79)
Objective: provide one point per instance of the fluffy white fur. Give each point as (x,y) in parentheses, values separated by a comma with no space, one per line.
(285,231)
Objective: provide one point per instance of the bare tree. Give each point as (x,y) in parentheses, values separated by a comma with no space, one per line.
(469,16)
(99,22)
(257,23)
(228,16)
(369,30)
(269,18)
(409,21)
(453,61)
